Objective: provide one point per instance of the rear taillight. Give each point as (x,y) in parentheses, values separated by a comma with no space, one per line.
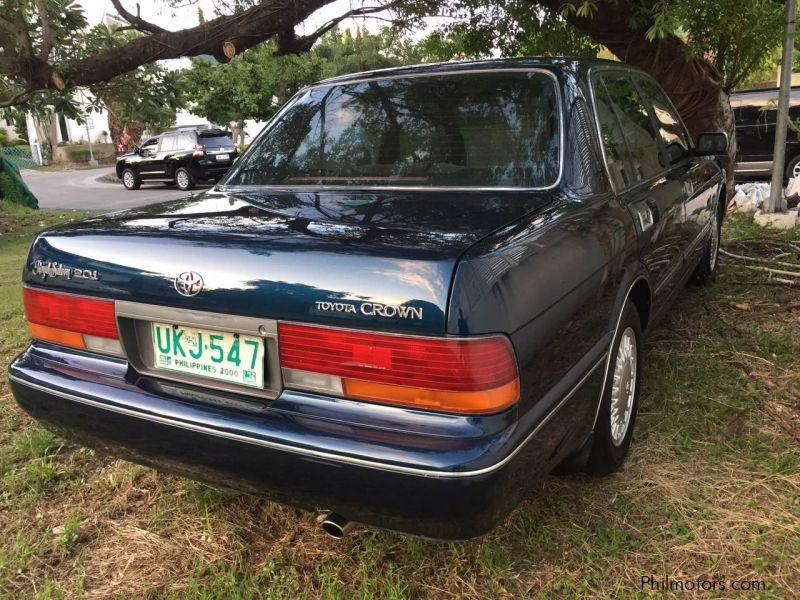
(198,150)
(467,375)
(72,320)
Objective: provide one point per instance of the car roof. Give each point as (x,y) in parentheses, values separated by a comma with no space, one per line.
(197,130)
(549,63)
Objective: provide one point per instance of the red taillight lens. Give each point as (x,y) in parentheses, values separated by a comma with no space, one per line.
(198,150)
(72,314)
(462,375)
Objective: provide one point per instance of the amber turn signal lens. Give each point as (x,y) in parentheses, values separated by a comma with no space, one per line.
(485,401)
(74,321)
(56,336)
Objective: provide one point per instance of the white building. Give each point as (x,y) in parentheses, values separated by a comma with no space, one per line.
(8,126)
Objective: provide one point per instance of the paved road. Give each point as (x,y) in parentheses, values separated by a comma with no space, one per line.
(79,189)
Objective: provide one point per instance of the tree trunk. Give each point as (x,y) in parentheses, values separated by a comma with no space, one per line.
(237,132)
(694,85)
(43,135)
(57,153)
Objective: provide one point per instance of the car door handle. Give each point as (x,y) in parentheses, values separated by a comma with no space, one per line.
(652,205)
(648,214)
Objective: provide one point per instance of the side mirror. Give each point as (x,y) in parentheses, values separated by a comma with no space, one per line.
(712,144)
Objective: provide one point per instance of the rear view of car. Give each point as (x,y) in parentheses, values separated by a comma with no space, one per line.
(215,153)
(415,294)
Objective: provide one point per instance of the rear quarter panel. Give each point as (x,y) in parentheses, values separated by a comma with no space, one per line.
(553,283)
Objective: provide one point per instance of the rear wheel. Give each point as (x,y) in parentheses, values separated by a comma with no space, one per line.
(131,179)
(184,179)
(708,264)
(617,415)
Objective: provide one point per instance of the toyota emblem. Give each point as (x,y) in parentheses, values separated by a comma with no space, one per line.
(189,283)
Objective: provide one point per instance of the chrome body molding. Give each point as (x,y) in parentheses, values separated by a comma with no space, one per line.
(611,344)
(311,452)
(761,166)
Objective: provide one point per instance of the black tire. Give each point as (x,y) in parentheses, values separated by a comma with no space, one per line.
(792,168)
(613,431)
(707,266)
(184,180)
(131,179)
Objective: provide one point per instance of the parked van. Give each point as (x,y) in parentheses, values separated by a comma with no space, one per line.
(756,112)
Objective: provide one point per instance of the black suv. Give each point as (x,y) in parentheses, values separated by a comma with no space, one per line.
(756,113)
(183,156)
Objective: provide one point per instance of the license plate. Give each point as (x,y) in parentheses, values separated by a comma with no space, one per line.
(221,157)
(217,355)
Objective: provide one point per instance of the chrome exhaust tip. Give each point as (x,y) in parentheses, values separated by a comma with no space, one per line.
(336,526)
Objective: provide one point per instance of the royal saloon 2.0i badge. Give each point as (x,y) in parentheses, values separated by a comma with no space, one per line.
(418,290)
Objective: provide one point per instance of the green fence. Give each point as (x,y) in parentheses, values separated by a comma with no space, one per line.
(20,156)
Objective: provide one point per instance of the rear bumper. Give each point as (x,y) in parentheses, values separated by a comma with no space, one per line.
(209,169)
(458,480)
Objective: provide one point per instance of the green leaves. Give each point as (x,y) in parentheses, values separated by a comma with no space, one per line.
(256,83)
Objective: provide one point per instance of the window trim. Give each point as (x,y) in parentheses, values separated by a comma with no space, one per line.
(412,188)
(649,107)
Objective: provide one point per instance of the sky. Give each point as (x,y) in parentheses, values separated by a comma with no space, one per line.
(158,12)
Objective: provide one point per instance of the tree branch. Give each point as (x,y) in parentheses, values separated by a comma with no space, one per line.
(135,20)
(289,43)
(17,98)
(18,31)
(244,30)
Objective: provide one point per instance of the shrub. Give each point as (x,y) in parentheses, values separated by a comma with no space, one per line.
(10,191)
(82,155)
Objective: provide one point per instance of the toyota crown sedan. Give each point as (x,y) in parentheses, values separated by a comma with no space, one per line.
(418,291)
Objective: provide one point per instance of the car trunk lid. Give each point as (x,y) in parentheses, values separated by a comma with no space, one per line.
(381,260)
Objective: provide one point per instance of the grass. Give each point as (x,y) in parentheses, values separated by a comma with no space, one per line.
(711,489)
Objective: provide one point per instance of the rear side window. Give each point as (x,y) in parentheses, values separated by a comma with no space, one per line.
(214,142)
(669,124)
(637,129)
(185,141)
(167,143)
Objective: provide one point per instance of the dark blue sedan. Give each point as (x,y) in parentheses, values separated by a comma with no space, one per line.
(419,290)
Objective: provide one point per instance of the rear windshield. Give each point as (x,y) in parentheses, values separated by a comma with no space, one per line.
(217,141)
(469,129)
